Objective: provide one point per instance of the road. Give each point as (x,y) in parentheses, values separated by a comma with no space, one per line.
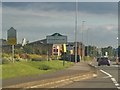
(103,77)
(107,77)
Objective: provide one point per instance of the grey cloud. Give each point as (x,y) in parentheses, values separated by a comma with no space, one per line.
(101,37)
(89,7)
(37,20)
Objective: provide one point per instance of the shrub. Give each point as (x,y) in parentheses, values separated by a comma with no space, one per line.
(5,60)
(17,56)
(44,67)
(33,56)
(24,56)
(5,55)
(36,59)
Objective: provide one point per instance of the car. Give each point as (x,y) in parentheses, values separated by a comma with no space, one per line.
(103,61)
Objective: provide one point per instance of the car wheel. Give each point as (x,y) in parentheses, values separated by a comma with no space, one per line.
(98,64)
(108,64)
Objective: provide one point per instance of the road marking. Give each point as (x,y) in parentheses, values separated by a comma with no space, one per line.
(63,81)
(118,87)
(106,73)
(116,84)
(106,77)
(113,79)
(94,75)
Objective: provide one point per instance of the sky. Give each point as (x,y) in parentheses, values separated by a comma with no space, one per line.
(35,20)
(60,0)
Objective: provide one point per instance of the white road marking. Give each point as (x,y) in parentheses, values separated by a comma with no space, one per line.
(69,80)
(116,84)
(106,77)
(94,75)
(106,73)
(118,87)
(113,79)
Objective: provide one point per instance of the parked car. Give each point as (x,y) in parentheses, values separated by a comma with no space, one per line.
(103,61)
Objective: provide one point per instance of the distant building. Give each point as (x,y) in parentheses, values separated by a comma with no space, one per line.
(80,48)
(41,47)
(3,42)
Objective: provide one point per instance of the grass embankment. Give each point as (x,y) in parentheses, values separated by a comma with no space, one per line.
(18,69)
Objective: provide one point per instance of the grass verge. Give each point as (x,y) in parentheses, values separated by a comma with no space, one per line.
(19,69)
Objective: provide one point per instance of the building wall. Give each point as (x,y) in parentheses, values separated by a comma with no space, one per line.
(80,48)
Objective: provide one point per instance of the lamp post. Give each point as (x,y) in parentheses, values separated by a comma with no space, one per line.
(76,12)
(87,43)
(117,60)
(82,40)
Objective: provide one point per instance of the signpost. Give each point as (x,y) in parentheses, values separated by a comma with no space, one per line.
(12,39)
(64,49)
(57,38)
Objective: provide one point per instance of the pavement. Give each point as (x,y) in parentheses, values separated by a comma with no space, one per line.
(78,70)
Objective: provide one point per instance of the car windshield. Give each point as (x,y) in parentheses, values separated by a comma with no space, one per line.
(104,58)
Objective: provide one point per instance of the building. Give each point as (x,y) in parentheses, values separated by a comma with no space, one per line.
(41,47)
(80,49)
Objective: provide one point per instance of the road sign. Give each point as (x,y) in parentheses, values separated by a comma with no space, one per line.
(11,36)
(11,41)
(64,47)
(56,39)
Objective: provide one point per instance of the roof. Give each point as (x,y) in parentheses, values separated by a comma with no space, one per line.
(12,29)
(56,34)
(43,41)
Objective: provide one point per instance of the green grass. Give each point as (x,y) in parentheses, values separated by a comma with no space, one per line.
(19,69)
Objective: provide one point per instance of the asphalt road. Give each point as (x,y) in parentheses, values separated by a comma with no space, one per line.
(107,77)
(104,77)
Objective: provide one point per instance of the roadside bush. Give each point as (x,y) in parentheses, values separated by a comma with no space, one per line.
(17,56)
(5,55)
(44,57)
(24,56)
(44,67)
(53,57)
(5,60)
(35,57)
(88,58)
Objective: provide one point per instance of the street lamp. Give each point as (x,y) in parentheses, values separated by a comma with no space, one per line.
(87,42)
(117,60)
(76,12)
(82,40)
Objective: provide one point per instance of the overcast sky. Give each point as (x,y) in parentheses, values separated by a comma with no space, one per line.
(34,21)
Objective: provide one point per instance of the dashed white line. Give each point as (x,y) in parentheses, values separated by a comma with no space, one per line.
(118,87)
(113,79)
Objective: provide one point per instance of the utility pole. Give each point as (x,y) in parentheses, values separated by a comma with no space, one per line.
(76,12)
